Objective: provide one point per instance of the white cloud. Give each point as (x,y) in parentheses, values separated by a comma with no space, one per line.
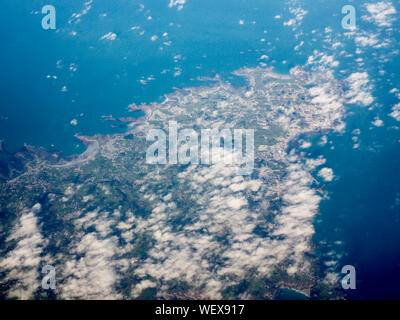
(177,3)
(94,265)
(318,58)
(395,112)
(380,13)
(314,163)
(326,174)
(109,36)
(377,122)
(299,15)
(289,22)
(23,261)
(359,89)
(366,40)
(305,145)
(92,275)
(76,17)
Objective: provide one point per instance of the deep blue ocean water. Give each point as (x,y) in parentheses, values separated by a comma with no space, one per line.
(361,210)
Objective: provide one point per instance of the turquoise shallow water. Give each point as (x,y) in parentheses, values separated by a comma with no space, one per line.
(359,219)
(288,294)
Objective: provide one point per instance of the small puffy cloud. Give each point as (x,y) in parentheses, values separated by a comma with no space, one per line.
(299,14)
(395,112)
(326,174)
(319,58)
(305,145)
(314,163)
(366,40)
(109,36)
(177,3)
(377,122)
(76,17)
(289,22)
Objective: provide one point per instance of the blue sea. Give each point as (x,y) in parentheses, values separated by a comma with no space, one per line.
(58,83)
